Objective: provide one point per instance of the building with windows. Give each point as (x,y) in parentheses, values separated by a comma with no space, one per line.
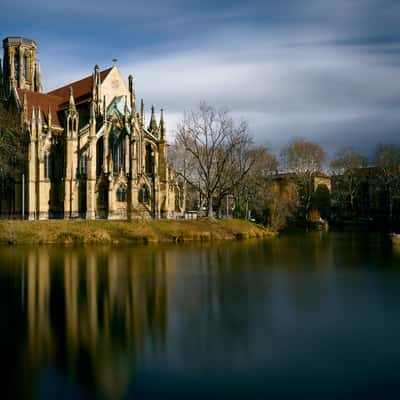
(90,153)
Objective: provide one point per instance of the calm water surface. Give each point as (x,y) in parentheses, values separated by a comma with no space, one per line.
(303,316)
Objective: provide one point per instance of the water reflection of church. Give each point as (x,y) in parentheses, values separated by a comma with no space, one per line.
(97,309)
(91,154)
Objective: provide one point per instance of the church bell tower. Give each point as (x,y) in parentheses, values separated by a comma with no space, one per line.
(20,69)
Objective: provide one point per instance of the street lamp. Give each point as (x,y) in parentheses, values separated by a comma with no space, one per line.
(23,196)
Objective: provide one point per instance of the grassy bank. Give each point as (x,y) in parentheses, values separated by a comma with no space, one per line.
(103,232)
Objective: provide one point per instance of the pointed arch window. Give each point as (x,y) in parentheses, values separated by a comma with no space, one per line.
(99,156)
(144,195)
(149,159)
(25,66)
(121,193)
(47,165)
(83,164)
(117,145)
(16,65)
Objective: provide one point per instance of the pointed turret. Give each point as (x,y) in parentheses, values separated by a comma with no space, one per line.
(162,126)
(92,120)
(33,119)
(92,112)
(72,116)
(96,89)
(104,108)
(49,117)
(153,123)
(71,106)
(39,125)
(39,119)
(142,121)
(132,93)
(33,124)
(24,107)
(96,81)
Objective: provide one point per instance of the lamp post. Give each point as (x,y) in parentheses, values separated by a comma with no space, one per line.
(23,196)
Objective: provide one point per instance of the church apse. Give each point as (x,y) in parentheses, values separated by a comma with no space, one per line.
(102,152)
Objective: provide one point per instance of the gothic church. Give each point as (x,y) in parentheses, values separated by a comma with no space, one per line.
(90,153)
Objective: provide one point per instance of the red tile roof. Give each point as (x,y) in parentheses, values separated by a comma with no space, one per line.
(82,89)
(58,99)
(43,102)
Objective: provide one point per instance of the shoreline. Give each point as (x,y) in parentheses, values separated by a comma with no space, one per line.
(83,232)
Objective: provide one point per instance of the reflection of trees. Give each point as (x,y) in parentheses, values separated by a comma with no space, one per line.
(92,313)
(240,295)
(100,316)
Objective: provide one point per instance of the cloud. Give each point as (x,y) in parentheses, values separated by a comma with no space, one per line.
(321,69)
(284,87)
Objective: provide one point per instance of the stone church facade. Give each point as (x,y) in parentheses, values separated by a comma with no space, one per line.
(90,152)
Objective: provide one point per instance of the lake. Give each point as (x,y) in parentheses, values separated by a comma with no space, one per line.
(313,316)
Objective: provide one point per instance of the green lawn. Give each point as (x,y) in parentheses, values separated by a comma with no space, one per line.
(136,231)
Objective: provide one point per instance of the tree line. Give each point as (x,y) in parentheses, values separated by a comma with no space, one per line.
(224,170)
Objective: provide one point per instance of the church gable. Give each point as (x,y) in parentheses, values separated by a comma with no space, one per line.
(113,85)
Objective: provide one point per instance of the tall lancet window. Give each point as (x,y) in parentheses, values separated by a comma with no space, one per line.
(117,149)
(149,159)
(16,66)
(47,165)
(83,164)
(144,194)
(25,67)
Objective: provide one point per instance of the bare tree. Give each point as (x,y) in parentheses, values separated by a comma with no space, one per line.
(211,142)
(272,203)
(250,193)
(281,204)
(387,160)
(304,159)
(346,167)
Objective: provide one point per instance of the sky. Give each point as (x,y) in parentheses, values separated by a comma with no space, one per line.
(326,70)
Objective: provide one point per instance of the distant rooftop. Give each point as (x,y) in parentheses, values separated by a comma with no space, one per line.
(18,40)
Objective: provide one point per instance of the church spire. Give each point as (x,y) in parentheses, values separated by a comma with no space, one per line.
(153,122)
(162,125)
